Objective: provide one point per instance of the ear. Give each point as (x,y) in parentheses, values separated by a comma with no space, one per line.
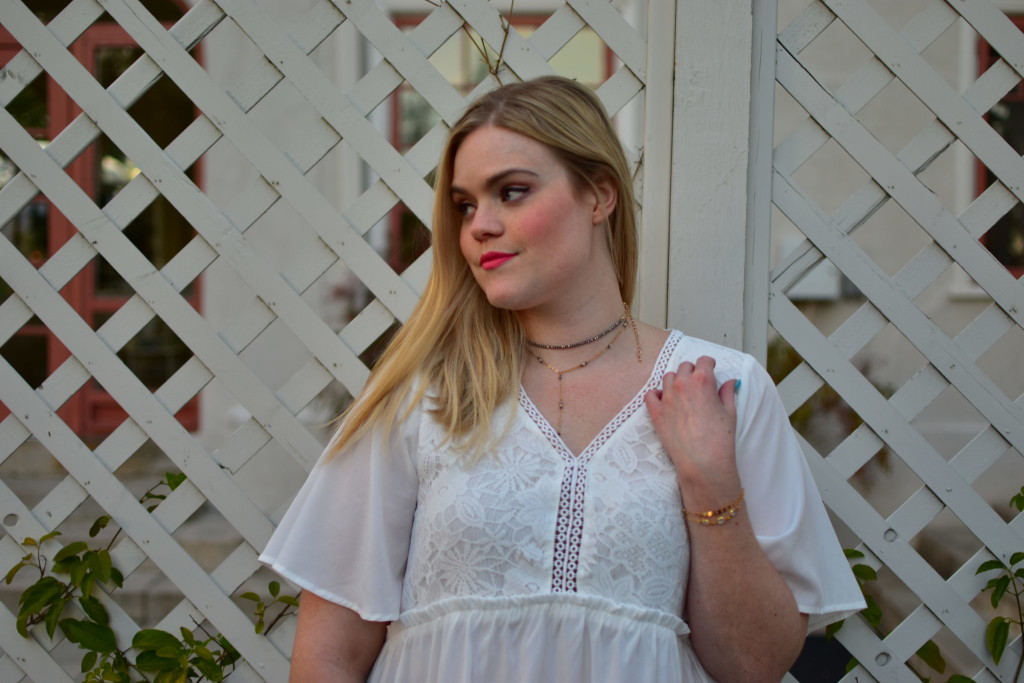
(606,197)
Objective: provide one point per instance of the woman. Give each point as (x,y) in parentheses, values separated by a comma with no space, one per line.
(534,486)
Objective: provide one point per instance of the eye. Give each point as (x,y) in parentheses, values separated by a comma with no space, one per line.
(513,192)
(463,208)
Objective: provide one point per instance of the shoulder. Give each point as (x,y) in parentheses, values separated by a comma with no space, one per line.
(728,361)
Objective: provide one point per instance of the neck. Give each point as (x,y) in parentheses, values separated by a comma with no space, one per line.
(571,325)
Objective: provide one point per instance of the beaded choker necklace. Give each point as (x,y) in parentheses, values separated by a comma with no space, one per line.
(620,324)
(591,340)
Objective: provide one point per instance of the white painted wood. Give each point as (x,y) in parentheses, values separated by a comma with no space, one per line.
(656,189)
(707,253)
(758,248)
(704,260)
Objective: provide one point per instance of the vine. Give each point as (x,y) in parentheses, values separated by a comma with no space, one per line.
(72,579)
(1007,584)
(493,63)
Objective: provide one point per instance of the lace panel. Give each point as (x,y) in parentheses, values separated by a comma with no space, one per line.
(572,500)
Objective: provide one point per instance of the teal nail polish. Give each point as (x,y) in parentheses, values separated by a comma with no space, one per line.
(736,386)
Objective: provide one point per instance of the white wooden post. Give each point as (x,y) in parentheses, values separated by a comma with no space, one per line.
(709,281)
(652,296)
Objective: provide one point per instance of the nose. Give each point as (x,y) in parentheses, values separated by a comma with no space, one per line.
(485,223)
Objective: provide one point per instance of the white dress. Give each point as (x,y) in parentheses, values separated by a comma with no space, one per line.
(536,565)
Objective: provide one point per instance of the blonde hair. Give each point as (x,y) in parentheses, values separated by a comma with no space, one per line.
(466,351)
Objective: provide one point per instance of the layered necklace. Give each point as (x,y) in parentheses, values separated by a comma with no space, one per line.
(625,320)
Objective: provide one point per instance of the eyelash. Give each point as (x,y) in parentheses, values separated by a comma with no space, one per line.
(505,191)
(463,208)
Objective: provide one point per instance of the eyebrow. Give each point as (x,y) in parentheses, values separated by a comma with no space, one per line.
(494,179)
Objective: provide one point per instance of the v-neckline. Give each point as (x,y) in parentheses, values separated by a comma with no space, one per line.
(620,418)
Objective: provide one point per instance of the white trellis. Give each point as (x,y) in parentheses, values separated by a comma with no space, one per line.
(705,230)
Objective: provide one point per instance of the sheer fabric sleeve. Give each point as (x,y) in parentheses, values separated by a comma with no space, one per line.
(785,509)
(346,535)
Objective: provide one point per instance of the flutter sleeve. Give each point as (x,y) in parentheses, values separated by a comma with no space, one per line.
(346,535)
(785,508)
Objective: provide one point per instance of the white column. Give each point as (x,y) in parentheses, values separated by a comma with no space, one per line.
(711,168)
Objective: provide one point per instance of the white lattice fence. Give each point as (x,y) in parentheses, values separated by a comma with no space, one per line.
(899,194)
(220,477)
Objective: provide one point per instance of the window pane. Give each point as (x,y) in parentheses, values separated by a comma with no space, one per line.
(1006,238)
(27,355)
(29,107)
(28,232)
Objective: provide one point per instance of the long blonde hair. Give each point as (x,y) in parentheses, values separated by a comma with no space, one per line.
(466,351)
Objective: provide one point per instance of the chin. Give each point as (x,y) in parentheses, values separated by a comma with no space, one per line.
(505,301)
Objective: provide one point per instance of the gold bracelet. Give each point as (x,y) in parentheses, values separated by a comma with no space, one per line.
(719,516)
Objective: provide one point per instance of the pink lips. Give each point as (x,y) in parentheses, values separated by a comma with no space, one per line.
(493,259)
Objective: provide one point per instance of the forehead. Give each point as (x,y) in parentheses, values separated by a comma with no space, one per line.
(491,150)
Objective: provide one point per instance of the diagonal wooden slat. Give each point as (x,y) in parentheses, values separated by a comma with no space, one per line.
(616,32)
(204,216)
(904,188)
(173,309)
(137,523)
(945,356)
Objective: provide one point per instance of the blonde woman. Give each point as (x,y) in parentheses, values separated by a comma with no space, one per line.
(534,486)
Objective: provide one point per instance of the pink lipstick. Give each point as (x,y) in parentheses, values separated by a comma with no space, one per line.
(493,259)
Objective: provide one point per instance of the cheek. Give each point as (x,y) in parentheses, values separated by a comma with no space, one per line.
(466,245)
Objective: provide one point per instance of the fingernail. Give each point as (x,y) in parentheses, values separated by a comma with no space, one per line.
(736,386)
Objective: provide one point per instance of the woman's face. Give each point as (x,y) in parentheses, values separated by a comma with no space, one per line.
(530,236)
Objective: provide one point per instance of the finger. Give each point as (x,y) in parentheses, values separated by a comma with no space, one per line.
(706,363)
(727,393)
(653,401)
(686,367)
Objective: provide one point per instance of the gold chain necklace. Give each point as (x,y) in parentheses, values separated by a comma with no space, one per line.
(561,373)
(621,324)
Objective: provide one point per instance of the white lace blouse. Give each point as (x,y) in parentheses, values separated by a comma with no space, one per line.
(538,565)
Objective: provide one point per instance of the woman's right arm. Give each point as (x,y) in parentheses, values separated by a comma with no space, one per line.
(333,643)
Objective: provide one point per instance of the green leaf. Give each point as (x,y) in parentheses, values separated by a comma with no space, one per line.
(290,600)
(14,571)
(1016,557)
(996,635)
(188,637)
(172,651)
(99,525)
(1000,589)
(873,613)
(89,635)
(77,572)
(89,661)
(69,565)
(250,596)
(151,662)
(959,678)
(210,669)
(260,625)
(852,554)
(930,655)
(989,566)
(95,610)
(864,572)
(175,479)
(274,587)
(56,609)
(41,593)
(851,665)
(47,536)
(232,654)
(154,639)
(29,541)
(70,549)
